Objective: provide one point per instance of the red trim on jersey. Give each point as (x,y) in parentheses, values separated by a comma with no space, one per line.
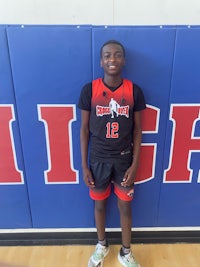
(101,95)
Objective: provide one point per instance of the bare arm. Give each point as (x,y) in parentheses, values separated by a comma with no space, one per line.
(84,138)
(137,138)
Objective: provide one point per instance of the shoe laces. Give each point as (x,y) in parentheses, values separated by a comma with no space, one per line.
(99,252)
(129,258)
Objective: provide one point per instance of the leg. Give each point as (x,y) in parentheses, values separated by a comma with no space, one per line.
(100,218)
(125,255)
(126,221)
(102,247)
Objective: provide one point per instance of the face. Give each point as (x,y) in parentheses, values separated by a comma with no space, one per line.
(112,59)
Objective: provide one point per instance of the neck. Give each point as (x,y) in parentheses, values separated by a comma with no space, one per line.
(113,81)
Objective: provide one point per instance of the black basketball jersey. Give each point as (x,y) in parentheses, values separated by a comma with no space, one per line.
(111,120)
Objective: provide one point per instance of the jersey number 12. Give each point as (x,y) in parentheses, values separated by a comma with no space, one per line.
(112,130)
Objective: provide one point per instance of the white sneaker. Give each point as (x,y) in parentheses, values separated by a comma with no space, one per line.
(127,260)
(97,258)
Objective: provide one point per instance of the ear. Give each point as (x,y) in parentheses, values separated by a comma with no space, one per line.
(101,63)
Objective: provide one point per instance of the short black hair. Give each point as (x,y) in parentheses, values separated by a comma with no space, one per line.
(112,42)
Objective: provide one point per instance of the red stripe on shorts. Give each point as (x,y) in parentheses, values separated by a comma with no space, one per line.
(124,195)
(100,195)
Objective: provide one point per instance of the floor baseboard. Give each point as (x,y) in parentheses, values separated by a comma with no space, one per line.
(90,238)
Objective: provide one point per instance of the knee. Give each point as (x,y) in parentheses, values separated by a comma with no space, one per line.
(100,206)
(124,208)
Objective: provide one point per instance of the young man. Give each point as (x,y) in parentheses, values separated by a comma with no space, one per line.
(111,123)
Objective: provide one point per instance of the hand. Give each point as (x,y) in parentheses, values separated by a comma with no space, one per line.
(87,177)
(129,176)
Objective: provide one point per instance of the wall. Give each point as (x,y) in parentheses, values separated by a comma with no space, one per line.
(100,12)
(42,70)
